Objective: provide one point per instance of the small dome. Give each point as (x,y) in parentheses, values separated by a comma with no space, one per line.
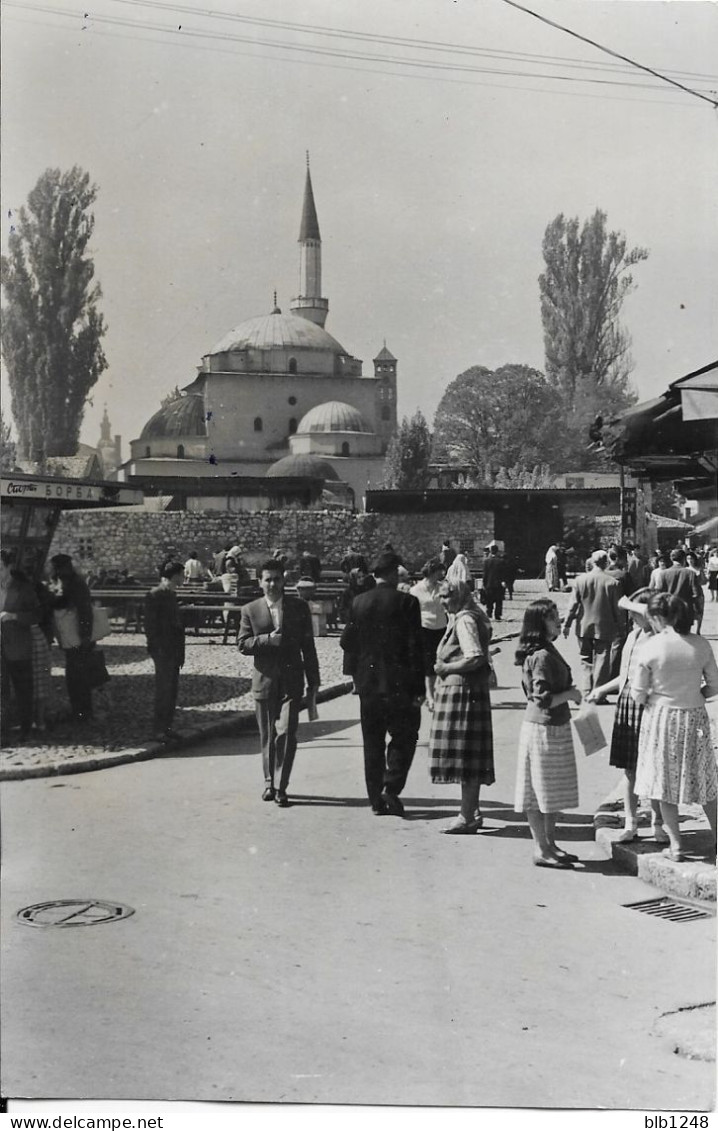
(302,465)
(278,331)
(182,417)
(334,416)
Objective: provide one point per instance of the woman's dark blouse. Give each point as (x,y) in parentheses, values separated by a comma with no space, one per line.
(544,674)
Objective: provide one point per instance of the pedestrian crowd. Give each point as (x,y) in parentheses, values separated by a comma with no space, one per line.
(429,644)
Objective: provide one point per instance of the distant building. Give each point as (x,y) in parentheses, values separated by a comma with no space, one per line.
(109,448)
(274,391)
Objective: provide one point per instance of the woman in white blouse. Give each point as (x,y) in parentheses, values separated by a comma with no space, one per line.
(675,673)
(433,620)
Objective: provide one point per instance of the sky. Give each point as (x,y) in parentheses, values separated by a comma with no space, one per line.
(434,176)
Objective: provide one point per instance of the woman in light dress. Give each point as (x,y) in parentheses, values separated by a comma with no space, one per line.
(546,779)
(627,722)
(553,581)
(433,620)
(675,673)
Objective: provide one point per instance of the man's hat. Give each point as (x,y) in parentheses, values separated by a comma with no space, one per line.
(60,561)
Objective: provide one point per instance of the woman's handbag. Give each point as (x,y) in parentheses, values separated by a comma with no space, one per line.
(67,626)
(589,730)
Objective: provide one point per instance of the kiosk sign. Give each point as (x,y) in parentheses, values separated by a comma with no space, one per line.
(629,505)
(49,489)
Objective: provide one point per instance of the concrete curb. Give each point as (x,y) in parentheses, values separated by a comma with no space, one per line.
(242,723)
(689,879)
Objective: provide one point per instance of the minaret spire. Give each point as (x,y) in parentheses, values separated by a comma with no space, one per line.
(310,304)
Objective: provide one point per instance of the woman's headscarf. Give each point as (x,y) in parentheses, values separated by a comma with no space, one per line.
(458,570)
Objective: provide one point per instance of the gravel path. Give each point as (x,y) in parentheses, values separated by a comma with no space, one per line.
(214,692)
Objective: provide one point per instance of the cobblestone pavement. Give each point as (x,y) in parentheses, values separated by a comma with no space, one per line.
(214,689)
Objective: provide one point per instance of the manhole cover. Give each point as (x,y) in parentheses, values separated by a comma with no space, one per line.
(665,908)
(73,913)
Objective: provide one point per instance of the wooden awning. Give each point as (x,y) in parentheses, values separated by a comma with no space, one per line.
(674,436)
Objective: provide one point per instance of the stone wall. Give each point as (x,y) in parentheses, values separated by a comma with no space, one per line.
(140,540)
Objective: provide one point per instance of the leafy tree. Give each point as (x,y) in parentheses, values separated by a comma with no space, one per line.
(507,418)
(665,500)
(8,450)
(586,279)
(52,327)
(407,458)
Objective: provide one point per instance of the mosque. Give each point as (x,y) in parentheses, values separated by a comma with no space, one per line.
(277,397)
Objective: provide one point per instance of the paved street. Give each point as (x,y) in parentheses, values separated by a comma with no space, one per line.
(320,954)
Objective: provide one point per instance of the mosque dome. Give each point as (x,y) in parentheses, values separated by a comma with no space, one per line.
(184,416)
(278,331)
(302,465)
(334,416)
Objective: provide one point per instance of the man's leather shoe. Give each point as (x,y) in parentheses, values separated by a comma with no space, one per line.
(282,800)
(269,793)
(393,804)
(379,809)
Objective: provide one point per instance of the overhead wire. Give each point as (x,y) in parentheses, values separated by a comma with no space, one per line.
(365,70)
(424,67)
(394,40)
(325,52)
(610,51)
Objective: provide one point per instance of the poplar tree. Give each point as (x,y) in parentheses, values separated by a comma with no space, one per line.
(583,286)
(52,327)
(408,455)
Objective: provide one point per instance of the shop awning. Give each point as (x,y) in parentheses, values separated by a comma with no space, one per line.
(674,436)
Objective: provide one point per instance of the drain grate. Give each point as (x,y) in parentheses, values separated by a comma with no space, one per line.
(73,913)
(665,908)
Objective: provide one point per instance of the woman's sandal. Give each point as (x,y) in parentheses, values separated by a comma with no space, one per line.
(550,862)
(462,827)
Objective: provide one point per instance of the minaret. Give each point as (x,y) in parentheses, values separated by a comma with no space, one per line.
(310,304)
(109,450)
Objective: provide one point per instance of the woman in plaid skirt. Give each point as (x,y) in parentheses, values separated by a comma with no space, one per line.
(546,780)
(461,741)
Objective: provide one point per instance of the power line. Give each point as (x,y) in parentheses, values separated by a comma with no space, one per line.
(361,36)
(113,33)
(609,51)
(331,52)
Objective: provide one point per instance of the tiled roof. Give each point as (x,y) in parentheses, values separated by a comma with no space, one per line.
(184,416)
(334,416)
(278,331)
(302,465)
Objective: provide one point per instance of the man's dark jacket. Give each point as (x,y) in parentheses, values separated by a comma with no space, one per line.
(382,643)
(164,625)
(494,574)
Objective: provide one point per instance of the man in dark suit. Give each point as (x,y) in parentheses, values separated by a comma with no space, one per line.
(600,622)
(276,630)
(164,628)
(382,645)
(681,582)
(492,582)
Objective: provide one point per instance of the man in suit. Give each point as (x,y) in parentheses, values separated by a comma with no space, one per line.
(492,582)
(681,582)
(74,593)
(276,631)
(382,645)
(164,628)
(600,622)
